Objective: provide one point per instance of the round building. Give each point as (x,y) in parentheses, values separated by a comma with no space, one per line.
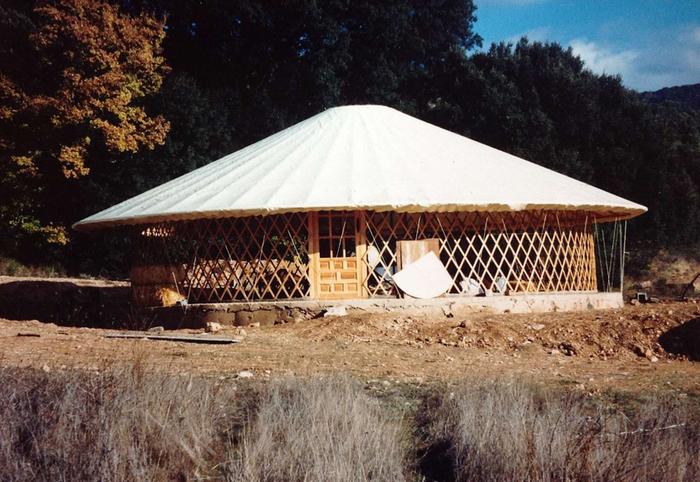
(339,205)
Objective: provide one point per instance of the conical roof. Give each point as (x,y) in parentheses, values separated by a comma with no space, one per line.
(363,157)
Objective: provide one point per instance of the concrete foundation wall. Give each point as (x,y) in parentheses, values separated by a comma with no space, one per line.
(273,312)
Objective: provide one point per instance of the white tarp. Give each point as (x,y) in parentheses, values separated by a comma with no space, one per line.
(424,278)
(363,157)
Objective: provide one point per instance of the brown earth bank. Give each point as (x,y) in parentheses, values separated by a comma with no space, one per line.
(637,348)
(66,301)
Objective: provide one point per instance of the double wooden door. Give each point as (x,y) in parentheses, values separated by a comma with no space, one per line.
(337,247)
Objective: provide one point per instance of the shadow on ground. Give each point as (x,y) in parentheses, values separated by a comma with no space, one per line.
(683,340)
(65,303)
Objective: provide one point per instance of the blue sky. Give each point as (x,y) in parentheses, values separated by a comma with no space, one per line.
(650,43)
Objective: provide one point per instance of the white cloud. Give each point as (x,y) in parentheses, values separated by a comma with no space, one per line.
(691,53)
(646,60)
(664,59)
(605,60)
(696,34)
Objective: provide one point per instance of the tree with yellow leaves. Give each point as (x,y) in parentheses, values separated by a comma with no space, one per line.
(74,75)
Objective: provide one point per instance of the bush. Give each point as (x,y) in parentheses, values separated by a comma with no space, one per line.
(12,267)
(512,431)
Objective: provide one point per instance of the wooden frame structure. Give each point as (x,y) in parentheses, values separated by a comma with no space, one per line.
(353,254)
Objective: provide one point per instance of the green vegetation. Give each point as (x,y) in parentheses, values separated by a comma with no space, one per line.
(239,71)
(73,75)
(127,424)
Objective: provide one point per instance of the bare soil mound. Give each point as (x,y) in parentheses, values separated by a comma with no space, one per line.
(661,330)
(642,347)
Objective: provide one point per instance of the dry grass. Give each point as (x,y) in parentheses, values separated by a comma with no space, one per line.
(512,431)
(116,425)
(322,429)
(125,424)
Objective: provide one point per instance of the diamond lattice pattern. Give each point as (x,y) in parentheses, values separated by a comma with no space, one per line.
(234,259)
(267,258)
(509,252)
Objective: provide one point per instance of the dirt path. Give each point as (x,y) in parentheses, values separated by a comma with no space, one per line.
(649,347)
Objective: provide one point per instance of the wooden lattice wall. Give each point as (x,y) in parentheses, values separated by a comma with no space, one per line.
(542,251)
(269,258)
(233,259)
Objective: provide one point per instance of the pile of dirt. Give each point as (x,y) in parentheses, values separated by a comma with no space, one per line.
(652,347)
(639,347)
(653,331)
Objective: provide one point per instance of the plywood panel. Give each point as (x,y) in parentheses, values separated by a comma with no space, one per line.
(410,251)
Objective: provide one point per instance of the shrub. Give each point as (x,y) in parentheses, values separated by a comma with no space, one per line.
(12,267)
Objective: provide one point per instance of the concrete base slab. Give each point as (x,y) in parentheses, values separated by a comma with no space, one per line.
(273,312)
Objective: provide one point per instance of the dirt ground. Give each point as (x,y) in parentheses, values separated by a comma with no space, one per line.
(644,347)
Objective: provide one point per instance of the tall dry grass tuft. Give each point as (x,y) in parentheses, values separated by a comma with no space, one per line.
(513,431)
(320,429)
(117,425)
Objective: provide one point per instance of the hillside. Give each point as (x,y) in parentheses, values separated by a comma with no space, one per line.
(687,96)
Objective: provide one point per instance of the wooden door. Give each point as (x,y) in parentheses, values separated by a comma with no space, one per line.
(338,262)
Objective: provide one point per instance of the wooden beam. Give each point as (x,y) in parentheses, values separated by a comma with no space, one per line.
(216,340)
(312,220)
(361,251)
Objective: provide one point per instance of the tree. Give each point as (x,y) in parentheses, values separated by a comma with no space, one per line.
(200,131)
(280,62)
(74,81)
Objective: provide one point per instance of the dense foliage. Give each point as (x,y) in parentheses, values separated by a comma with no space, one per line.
(243,70)
(687,96)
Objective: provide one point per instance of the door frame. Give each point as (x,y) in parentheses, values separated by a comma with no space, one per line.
(315,256)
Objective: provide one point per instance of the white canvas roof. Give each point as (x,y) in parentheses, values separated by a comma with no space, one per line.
(363,157)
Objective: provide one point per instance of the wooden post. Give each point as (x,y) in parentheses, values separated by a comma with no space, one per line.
(361,251)
(593,272)
(312,219)
(623,242)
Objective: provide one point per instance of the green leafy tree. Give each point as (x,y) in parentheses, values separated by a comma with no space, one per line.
(280,62)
